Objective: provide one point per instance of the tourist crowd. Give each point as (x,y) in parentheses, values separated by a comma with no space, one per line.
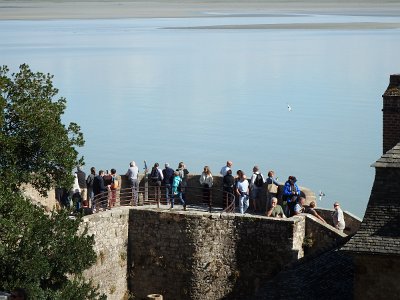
(261,194)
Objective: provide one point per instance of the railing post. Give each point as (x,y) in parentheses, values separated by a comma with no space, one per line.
(210,199)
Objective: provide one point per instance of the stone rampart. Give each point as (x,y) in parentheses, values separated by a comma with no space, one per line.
(207,256)
(194,254)
(110,230)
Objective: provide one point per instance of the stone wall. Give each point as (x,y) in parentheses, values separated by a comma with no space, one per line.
(110,230)
(188,255)
(319,235)
(49,203)
(194,254)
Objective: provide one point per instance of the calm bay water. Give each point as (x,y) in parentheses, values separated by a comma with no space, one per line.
(144,92)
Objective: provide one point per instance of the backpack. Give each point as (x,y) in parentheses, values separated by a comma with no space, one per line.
(155,175)
(259,182)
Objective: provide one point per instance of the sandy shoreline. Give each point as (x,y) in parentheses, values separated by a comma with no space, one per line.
(109,9)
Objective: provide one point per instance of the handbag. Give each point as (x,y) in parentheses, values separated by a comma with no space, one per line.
(272,188)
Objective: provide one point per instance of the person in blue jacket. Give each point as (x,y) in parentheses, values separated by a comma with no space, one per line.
(177,190)
(290,194)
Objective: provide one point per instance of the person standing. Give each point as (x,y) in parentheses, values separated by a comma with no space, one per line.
(256,184)
(290,192)
(82,182)
(89,185)
(156,178)
(242,190)
(183,174)
(113,188)
(98,189)
(132,175)
(168,176)
(338,217)
(206,181)
(272,188)
(228,184)
(225,168)
(176,190)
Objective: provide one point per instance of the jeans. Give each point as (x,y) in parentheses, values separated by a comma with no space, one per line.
(179,194)
(167,192)
(243,202)
(134,183)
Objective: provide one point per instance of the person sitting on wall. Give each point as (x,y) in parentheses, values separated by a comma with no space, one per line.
(311,210)
(275,210)
(299,207)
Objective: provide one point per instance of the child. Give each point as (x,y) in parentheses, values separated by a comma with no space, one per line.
(176,190)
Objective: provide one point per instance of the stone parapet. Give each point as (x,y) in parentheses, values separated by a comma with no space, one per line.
(110,230)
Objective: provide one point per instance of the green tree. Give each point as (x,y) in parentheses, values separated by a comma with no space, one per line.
(43,253)
(36,147)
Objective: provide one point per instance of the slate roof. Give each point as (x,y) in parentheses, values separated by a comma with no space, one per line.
(379,232)
(390,159)
(328,276)
(394,86)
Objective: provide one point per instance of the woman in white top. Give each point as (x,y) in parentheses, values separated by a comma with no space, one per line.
(242,190)
(206,181)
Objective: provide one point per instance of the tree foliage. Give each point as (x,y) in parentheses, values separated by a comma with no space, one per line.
(43,253)
(36,147)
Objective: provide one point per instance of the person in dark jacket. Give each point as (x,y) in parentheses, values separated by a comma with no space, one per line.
(100,200)
(82,182)
(290,193)
(228,183)
(168,177)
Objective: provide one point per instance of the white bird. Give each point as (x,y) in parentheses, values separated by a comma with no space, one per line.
(321,194)
(289,107)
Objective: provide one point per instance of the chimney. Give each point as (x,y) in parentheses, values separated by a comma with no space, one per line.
(391,113)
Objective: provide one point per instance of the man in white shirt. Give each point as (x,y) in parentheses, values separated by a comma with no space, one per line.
(256,187)
(338,217)
(132,175)
(225,169)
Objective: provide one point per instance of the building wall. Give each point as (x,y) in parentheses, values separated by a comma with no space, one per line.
(391,113)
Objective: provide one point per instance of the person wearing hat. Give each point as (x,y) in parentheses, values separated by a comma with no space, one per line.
(290,193)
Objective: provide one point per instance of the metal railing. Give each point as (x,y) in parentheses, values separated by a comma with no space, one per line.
(195,197)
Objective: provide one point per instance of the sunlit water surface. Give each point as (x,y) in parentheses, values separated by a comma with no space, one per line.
(144,92)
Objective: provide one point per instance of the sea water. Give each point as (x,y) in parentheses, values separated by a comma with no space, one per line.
(155,90)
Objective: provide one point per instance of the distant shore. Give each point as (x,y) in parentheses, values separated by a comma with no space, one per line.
(109,9)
